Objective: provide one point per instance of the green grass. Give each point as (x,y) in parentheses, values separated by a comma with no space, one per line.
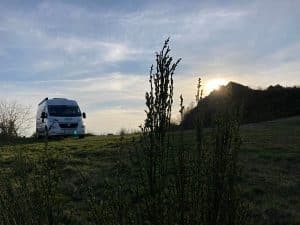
(270,159)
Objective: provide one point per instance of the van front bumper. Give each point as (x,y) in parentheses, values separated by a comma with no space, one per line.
(66,132)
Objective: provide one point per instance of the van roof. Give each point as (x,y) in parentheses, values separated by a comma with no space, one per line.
(59,101)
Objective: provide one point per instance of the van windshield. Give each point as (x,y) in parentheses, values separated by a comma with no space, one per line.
(64,110)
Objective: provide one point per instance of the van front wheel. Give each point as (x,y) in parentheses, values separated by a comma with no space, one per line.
(37,134)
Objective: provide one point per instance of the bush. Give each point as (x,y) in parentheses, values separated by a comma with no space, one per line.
(14,119)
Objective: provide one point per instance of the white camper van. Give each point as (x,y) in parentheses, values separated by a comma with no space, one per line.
(59,116)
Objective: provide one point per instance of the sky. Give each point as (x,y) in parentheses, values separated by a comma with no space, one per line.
(99,52)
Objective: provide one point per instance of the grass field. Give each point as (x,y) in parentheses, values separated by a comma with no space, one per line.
(270,158)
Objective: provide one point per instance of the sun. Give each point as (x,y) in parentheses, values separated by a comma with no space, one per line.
(214,84)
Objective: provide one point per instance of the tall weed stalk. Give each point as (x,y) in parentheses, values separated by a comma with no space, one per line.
(168,181)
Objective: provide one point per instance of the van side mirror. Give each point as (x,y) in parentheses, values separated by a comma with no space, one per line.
(43,116)
(83,115)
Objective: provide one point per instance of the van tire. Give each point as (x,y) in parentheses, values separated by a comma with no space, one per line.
(37,134)
(46,131)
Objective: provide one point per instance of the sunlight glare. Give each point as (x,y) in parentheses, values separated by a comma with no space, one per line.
(214,84)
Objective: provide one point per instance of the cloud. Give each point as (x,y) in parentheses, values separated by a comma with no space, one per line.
(104,121)
(52,51)
(109,51)
(99,54)
(46,65)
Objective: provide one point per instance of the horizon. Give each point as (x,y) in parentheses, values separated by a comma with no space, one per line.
(100,53)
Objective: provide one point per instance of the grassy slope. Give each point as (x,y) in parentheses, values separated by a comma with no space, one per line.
(270,158)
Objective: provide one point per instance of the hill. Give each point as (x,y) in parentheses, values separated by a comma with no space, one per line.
(257,105)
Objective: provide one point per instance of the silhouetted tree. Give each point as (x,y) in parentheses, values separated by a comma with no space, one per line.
(14,119)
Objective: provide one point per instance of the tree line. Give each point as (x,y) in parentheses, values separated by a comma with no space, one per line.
(256,105)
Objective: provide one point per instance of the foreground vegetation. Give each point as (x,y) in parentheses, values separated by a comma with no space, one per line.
(159,176)
(269,157)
